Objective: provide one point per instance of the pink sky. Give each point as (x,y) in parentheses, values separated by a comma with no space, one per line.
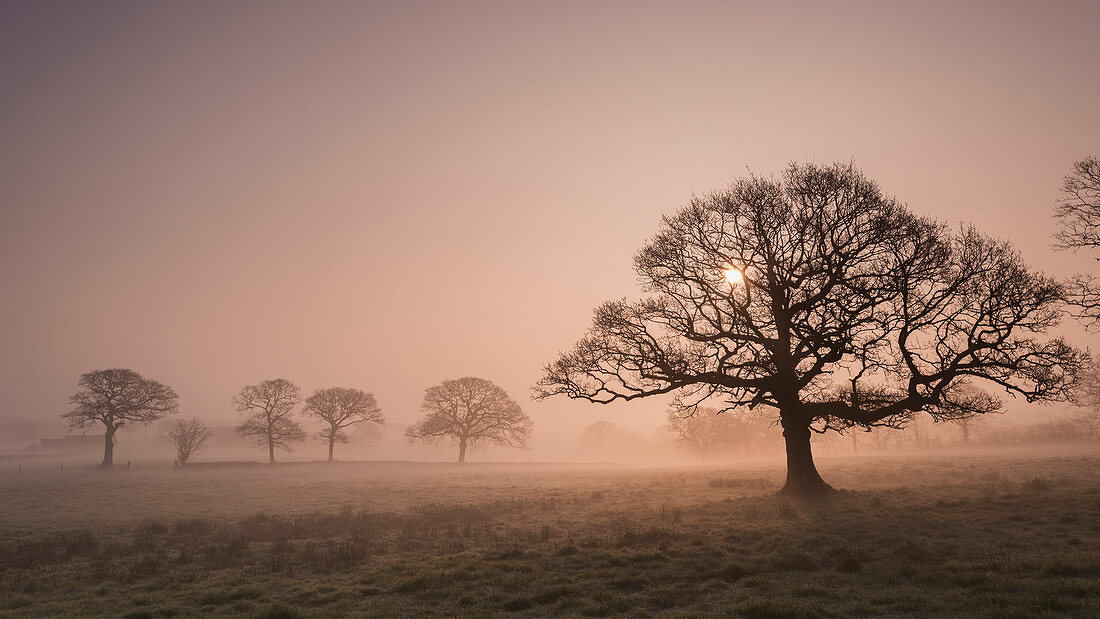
(388,195)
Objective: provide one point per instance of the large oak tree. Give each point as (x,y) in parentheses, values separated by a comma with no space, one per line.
(470,411)
(778,292)
(118,397)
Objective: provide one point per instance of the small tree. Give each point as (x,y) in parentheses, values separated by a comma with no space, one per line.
(597,436)
(118,397)
(966,425)
(189,437)
(268,407)
(1087,415)
(1087,421)
(340,407)
(703,429)
(1078,215)
(470,411)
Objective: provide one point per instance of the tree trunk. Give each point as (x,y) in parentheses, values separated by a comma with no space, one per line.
(108,447)
(802,475)
(966,433)
(270,451)
(331,442)
(462,451)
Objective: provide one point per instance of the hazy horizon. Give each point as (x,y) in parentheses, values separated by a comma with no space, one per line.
(385,196)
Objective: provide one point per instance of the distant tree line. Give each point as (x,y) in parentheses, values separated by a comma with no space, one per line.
(466,411)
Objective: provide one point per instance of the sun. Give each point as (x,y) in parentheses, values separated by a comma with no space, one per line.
(734,276)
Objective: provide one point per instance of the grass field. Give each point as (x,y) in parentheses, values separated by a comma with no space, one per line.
(992,535)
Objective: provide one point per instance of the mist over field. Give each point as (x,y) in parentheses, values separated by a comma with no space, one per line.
(481,308)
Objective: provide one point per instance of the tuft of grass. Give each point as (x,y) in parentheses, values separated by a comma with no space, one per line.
(517,604)
(755,483)
(221,597)
(789,560)
(278,610)
(849,561)
(1037,484)
(567,550)
(153,527)
(192,526)
(731,572)
(778,608)
(554,593)
(632,535)
(786,511)
(413,585)
(145,566)
(512,552)
(675,515)
(79,543)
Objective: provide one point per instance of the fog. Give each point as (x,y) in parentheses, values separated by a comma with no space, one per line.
(364,196)
(234,237)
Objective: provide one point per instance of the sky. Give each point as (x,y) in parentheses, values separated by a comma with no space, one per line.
(386,195)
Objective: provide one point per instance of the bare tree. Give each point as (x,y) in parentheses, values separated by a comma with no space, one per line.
(1078,215)
(269,406)
(597,436)
(1088,421)
(189,437)
(1078,210)
(966,425)
(118,397)
(702,429)
(1087,415)
(340,407)
(766,293)
(470,411)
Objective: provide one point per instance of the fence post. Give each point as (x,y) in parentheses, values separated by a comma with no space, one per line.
(127,466)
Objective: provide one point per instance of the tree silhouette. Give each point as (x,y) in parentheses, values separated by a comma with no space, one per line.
(118,397)
(1087,415)
(189,437)
(701,429)
(340,407)
(597,436)
(470,411)
(1078,214)
(775,291)
(268,406)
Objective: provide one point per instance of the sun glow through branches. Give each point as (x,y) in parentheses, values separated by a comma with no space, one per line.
(734,276)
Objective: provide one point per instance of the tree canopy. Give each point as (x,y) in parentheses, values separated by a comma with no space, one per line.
(117,397)
(268,407)
(340,407)
(1078,215)
(470,411)
(188,437)
(703,429)
(777,292)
